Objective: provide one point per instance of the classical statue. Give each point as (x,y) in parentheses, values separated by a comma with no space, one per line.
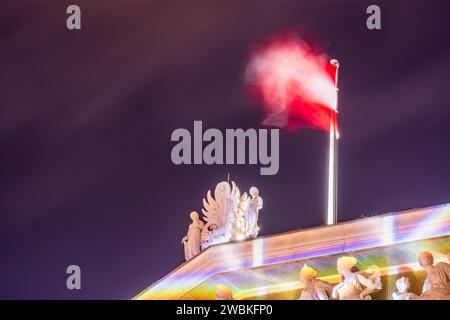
(192,240)
(255,204)
(355,285)
(229,215)
(220,214)
(240,224)
(223,292)
(437,283)
(313,288)
(402,293)
(246,219)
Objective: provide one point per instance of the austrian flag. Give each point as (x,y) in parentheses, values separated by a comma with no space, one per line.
(296,86)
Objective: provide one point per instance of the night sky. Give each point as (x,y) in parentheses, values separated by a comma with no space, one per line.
(86,117)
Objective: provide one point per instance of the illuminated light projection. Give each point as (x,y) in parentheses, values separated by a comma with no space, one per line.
(268,267)
(258,260)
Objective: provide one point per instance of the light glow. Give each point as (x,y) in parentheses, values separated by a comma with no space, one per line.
(229,259)
(331,178)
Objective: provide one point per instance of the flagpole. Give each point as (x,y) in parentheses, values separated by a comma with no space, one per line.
(332,160)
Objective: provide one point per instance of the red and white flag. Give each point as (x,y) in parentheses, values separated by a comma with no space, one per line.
(297,87)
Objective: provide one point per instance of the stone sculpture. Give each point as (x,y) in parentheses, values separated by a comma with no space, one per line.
(228,216)
(192,241)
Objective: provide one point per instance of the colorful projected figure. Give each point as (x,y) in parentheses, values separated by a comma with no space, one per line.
(314,289)
(355,285)
(223,292)
(437,283)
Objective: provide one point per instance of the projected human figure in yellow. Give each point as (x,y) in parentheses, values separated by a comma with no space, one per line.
(355,285)
(314,289)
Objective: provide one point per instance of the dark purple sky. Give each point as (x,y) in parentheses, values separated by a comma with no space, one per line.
(86,117)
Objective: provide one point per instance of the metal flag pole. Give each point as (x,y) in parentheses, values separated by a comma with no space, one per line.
(332,159)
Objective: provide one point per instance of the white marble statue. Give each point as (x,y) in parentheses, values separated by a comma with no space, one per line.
(255,204)
(355,285)
(220,213)
(402,293)
(229,215)
(246,219)
(192,241)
